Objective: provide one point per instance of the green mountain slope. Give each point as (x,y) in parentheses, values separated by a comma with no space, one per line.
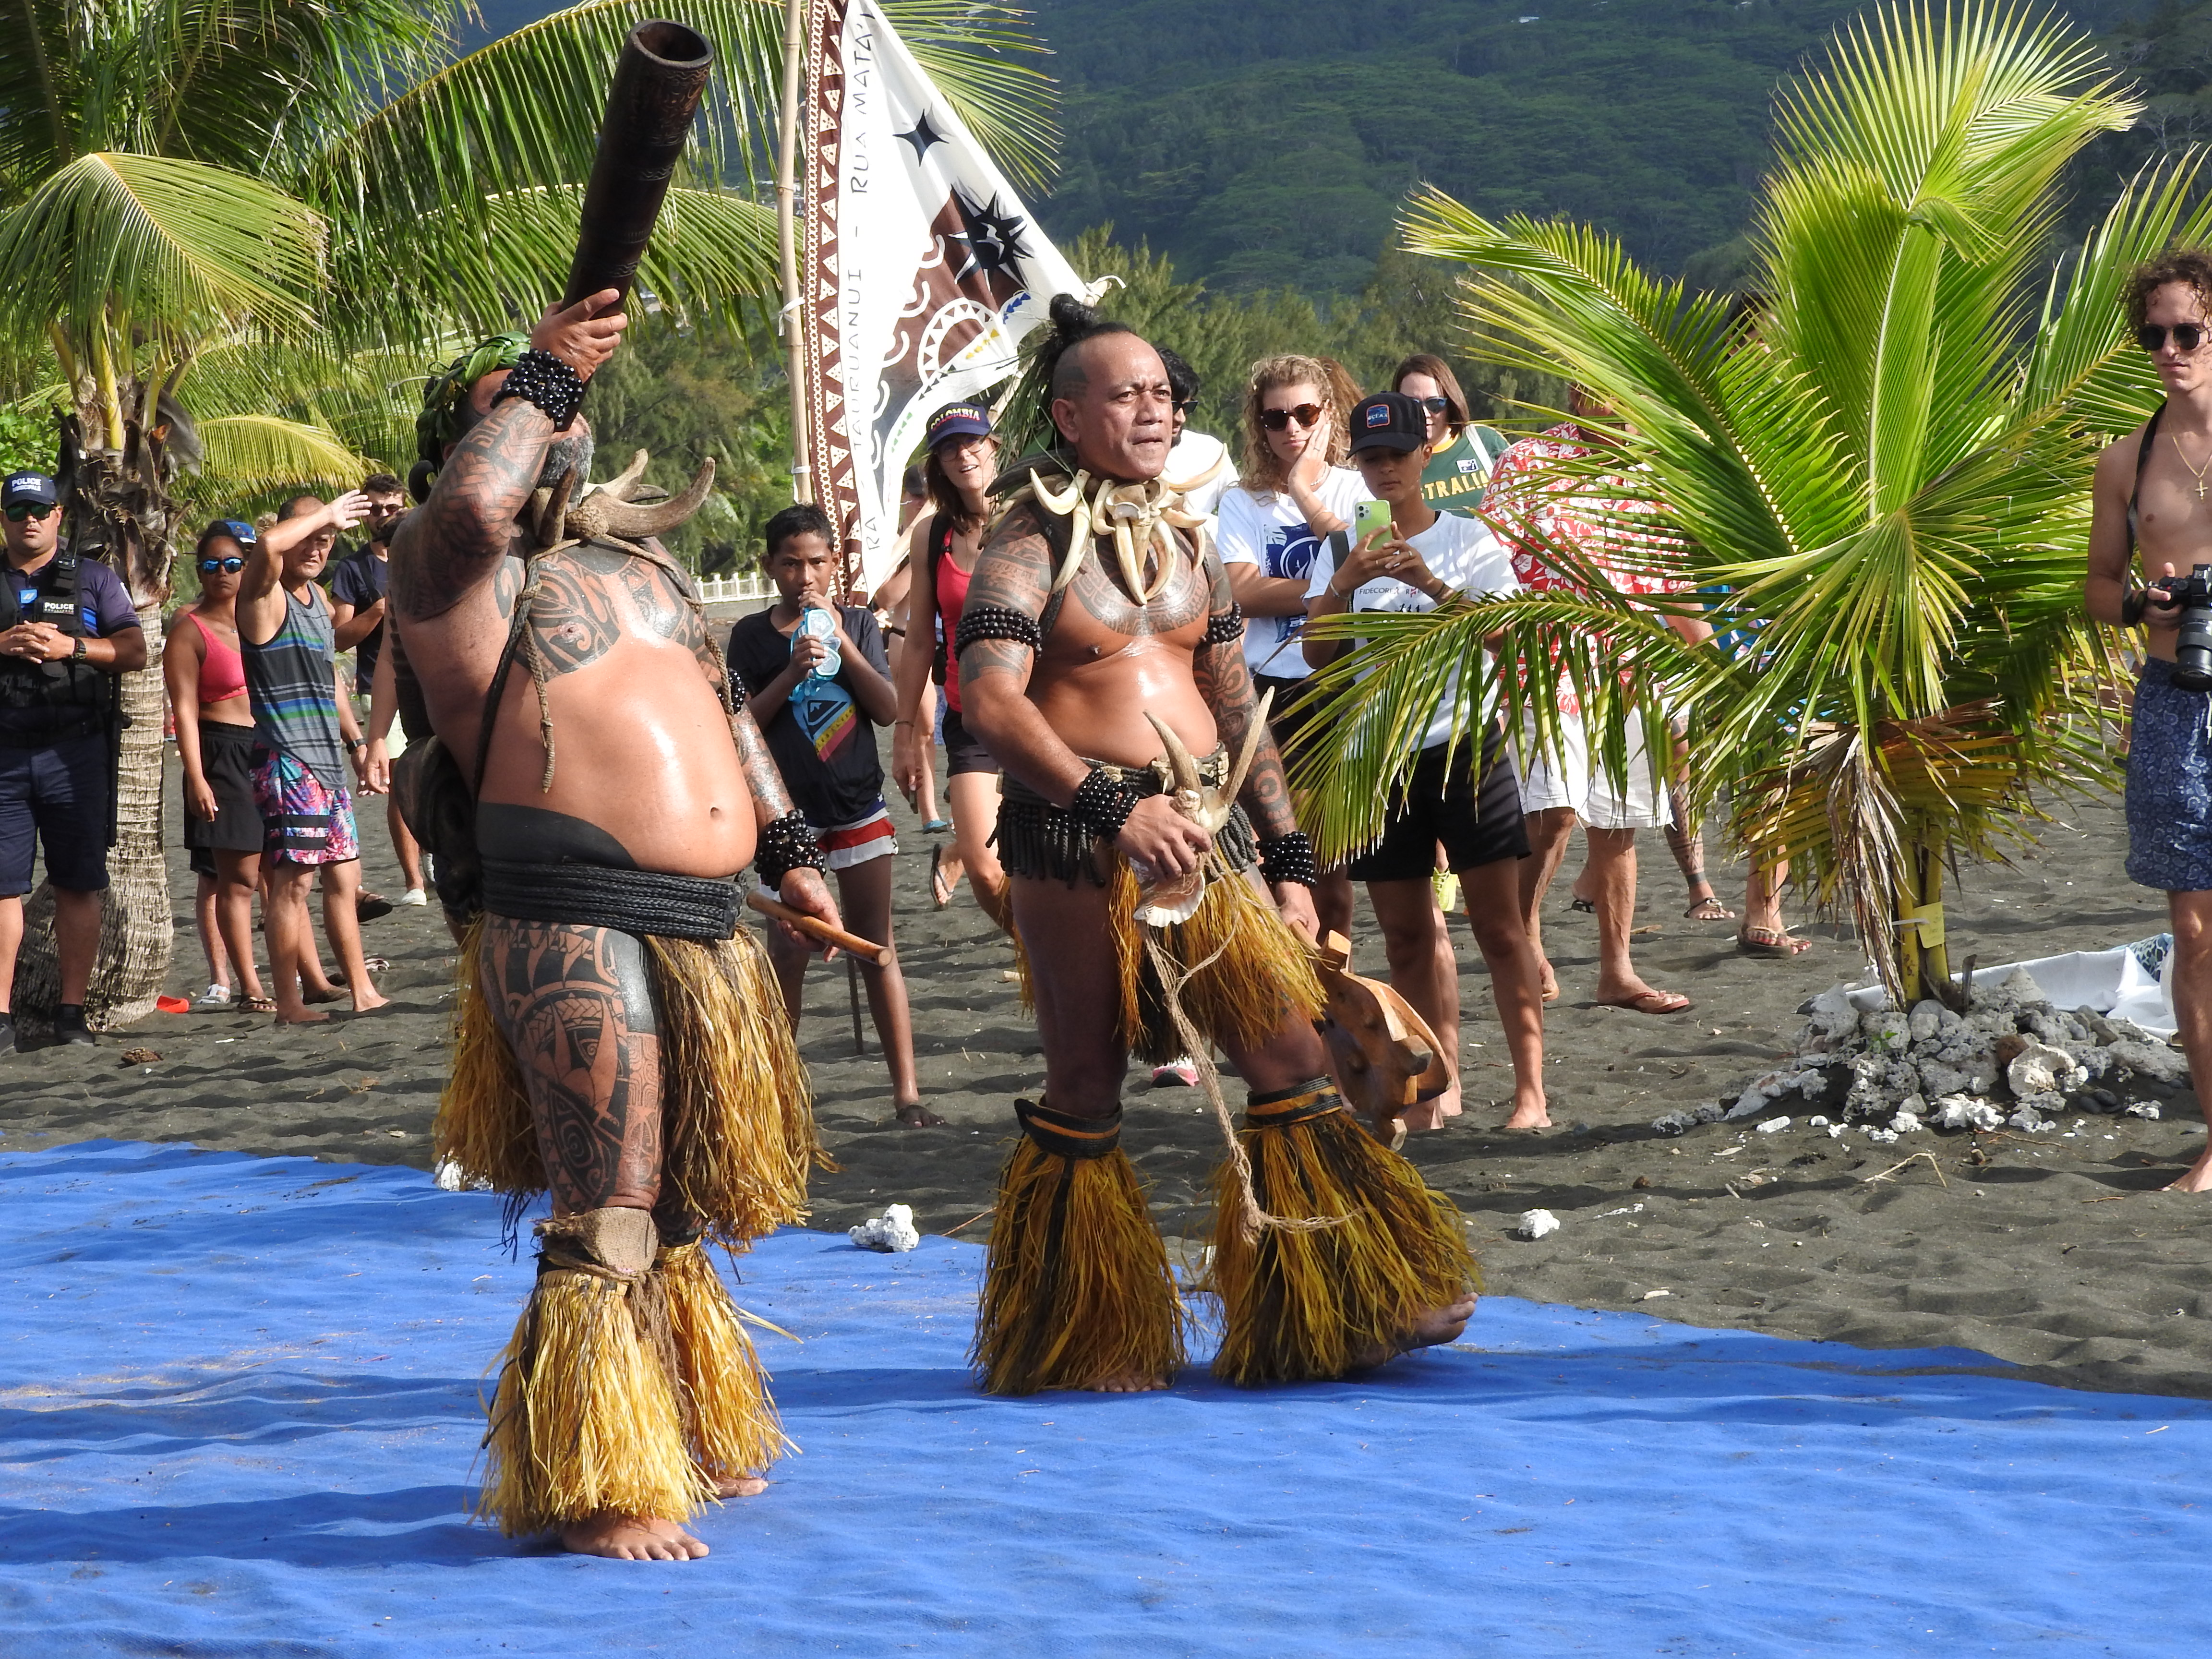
(1266,144)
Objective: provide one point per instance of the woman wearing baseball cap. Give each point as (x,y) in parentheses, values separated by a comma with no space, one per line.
(963,459)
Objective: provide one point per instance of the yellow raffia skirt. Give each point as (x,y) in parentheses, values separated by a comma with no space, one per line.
(1259,974)
(738,1112)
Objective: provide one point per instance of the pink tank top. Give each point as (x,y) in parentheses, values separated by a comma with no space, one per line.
(223,675)
(952,600)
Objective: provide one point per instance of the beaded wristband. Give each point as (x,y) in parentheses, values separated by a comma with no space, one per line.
(1288,858)
(995,622)
(1223,626)
(1103,803)
(541,379)
(786,844)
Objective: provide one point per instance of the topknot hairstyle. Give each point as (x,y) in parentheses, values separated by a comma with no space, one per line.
(1073,323)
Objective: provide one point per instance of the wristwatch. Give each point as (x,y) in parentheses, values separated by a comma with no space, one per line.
(76,654)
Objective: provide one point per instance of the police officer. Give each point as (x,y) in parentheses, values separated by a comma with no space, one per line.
(66,629)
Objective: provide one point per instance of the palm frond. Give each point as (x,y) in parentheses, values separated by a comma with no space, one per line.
(175,247)
(247,455)
(975,55)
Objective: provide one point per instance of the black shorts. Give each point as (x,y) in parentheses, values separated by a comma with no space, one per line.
(1475,812)
(54,797)
(227,759)
(1285,727)
(964,750)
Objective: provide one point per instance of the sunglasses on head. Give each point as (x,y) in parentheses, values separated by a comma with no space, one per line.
(2187,336)
(231,566)
(23,510)
(1277,420)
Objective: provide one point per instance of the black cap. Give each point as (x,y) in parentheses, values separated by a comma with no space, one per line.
(36,488)
(956,421)
(1388,420)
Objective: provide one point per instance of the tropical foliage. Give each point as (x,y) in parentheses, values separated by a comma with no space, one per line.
(1873,469)
(233,232)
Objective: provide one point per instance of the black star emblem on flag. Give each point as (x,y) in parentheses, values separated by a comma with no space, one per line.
(922,137)
(993,238)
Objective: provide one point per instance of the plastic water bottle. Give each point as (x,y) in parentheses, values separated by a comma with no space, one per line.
(817,623)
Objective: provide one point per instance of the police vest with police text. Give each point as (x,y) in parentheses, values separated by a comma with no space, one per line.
(58,598)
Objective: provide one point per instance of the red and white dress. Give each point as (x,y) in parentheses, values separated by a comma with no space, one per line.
(1534,504)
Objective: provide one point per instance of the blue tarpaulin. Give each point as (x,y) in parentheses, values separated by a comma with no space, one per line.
(239,1415)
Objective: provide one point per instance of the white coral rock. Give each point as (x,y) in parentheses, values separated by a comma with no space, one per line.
(894,1230)
(1537,1224)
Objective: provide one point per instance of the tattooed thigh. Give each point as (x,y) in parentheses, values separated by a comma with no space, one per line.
(576,1007)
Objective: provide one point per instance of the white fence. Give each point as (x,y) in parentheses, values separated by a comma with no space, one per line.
(718,590)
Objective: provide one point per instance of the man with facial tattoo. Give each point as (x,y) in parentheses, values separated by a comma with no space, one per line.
(595,786)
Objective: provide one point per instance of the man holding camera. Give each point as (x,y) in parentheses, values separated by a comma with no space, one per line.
(2154,490)
(66,629)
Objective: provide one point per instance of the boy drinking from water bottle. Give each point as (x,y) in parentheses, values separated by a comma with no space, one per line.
(820,684)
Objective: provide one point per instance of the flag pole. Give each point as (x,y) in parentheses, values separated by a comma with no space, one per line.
(787,224)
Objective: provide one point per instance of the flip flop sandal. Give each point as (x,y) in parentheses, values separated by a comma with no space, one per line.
(257,1005)
(1708,909)
(314,998)
(940,890)
(377,964)
(1586,906)
(1649,1002)
(936,826)
(1771,942)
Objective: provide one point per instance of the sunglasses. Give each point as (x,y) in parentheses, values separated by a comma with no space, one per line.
(23,510)
(1435,405)
(231,567)
(1277,420)
(2187,336)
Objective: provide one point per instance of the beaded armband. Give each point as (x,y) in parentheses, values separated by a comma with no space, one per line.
(786,844)
(1224,626)
(539,378)
(1103,803)
(1288,858)
(995,622)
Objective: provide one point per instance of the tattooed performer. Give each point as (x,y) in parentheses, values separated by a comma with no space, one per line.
(1097,632)
(620,1040)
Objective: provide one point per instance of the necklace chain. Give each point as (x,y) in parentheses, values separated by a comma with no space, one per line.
(2203,484)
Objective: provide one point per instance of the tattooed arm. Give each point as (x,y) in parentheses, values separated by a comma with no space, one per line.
(1225,682)
(1014,572)
(458,538)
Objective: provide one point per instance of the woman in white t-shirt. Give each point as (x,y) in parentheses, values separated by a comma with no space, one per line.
(1292,496)
(1464,796)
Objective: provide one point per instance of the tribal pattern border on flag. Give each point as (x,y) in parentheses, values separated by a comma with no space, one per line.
(919,273)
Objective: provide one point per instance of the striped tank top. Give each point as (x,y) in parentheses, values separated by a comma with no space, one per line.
(292,684)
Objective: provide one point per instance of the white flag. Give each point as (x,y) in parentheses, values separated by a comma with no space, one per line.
(920,273)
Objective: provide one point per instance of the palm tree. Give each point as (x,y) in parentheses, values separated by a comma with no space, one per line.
(1879,454)
(216,214)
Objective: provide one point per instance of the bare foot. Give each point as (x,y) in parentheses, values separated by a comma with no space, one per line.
(1529,1112)
(738,1485)
(1126,1383)
(915,1116)
(2199,1178)
(1547,984)
(326,992)
(631,1538)
(1432,1113)
(1438,1325)
(367,999)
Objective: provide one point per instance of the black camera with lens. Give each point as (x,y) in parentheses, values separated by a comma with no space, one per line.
(2192,647)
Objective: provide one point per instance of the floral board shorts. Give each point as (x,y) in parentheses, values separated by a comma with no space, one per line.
(304,821)
(2170,784)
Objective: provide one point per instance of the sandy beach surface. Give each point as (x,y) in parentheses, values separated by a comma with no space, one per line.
(2056,1252)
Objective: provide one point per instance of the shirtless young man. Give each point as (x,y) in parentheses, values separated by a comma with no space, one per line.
(622,1041)
(2158,470)
(1060,685)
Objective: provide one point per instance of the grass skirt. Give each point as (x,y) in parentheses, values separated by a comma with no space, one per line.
(1261,980)
(738,1127)
(1304,1305)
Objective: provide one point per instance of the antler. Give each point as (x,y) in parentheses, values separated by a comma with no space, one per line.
(1235,786)
(1180,764)
(555,511)
(623,483)
(601,514)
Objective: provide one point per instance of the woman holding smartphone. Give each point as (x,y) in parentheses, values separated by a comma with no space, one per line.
(206,679)
(1463,795)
